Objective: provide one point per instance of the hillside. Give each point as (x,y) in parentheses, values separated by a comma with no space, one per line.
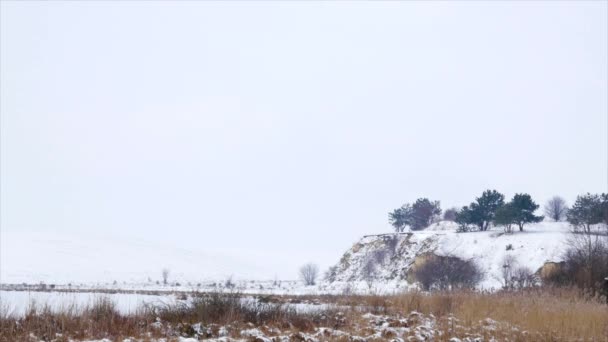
(394,254)
(60,258)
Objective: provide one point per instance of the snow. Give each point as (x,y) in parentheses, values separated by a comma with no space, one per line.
(56,257)
(17,302)
(70,265)
(537,244)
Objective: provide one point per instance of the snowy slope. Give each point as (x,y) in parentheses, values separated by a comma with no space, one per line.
(537,244)
(61,258)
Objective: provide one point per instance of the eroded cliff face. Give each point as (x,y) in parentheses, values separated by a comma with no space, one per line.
(391,258)
(386,257)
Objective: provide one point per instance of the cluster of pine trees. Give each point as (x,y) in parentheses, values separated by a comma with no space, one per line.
(491,209)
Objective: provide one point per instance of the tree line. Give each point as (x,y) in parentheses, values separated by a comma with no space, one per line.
(490,209)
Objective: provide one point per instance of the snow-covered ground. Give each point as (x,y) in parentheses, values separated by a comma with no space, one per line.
(76,262)
(537,244)
(56,257)
(17,302)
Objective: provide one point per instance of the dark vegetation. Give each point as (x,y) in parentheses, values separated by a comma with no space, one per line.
(447,273)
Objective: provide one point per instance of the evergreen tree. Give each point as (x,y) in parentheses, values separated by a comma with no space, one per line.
(400,217)
(506,216)
(524,208)
(464,219)
(423,213)
(586,211)
(483,210)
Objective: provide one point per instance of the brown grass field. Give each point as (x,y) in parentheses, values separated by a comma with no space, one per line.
(542,314)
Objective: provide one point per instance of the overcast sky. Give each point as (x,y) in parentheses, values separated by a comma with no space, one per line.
(285,131)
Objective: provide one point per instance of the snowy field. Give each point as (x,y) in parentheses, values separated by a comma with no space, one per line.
(70,265)
(17,302)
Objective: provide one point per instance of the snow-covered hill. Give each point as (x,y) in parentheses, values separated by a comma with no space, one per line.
(56,258)
(78,258)
(394,254)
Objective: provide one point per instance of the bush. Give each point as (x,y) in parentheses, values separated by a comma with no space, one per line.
(447,273)
(515,276)
(585,263)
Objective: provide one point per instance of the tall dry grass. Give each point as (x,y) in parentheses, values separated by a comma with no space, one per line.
(543,314)
(100,319)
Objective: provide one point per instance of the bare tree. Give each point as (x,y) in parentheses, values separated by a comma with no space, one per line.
(524,277)
(509,264)
(369,271)
(556,208)
(586,260)
(165,275)
(309,273)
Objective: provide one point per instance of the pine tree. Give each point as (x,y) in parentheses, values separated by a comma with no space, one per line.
(400,217)
(506,216)
(483,210)
(423,213)
(586,211)
(524,208)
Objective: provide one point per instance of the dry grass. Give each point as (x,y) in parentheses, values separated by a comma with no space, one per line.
(532,315)
(549,314)
(98,320)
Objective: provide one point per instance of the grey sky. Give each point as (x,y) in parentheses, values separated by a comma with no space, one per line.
(285,131)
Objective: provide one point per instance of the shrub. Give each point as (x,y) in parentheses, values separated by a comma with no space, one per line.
(586,261)
(524,277)
(447,273)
